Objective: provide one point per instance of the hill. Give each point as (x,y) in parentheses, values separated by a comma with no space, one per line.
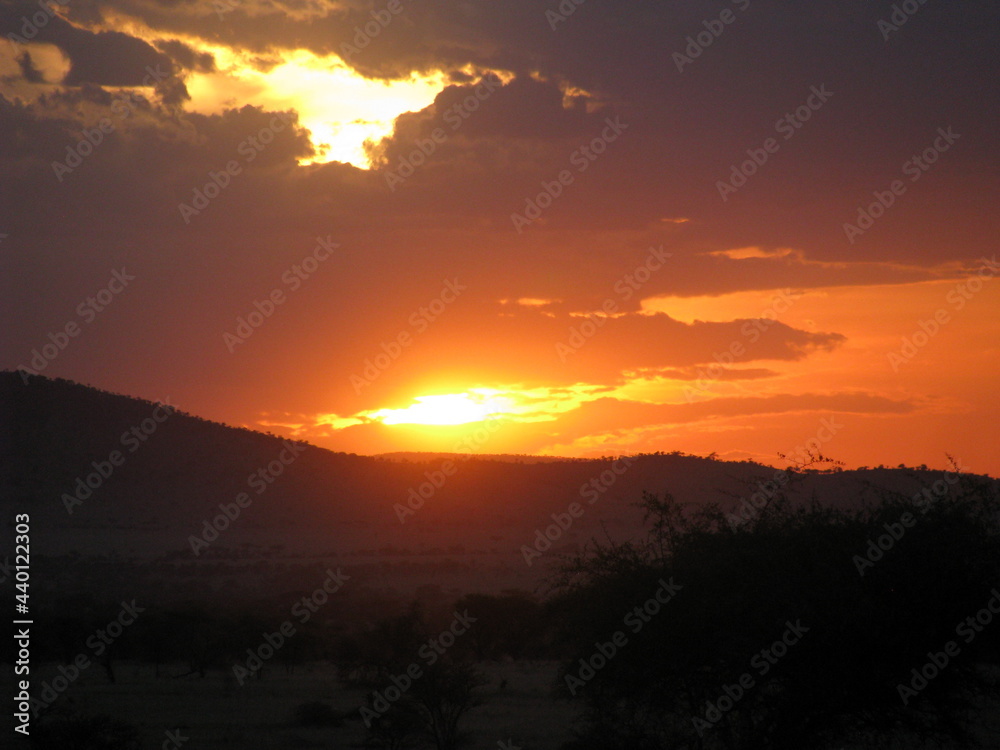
(132,493)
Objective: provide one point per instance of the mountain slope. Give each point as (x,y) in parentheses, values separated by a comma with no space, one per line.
(173,470)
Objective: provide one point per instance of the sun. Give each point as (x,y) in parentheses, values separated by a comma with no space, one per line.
(447,409)
(342,109)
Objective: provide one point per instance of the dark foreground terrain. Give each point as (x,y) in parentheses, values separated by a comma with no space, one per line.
(659,601)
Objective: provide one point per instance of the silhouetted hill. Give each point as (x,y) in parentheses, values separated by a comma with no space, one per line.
(511,458)
(326,506)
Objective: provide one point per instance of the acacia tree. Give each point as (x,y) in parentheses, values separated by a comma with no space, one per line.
(445,692)
(429,707)
(676,681)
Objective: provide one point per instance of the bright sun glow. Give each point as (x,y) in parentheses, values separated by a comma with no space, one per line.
(513,403)
(451,408)
(341,108)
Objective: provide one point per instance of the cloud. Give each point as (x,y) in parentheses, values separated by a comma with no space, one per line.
(104,58)
(618,414)
(28,70)
(186,56)
(451,219)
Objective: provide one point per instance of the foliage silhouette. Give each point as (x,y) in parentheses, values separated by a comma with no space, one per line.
(743,586)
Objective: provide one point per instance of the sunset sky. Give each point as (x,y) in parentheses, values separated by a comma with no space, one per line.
(728,227)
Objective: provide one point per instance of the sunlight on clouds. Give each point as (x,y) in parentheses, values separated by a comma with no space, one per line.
(438,412)
(49,61)
(652,388)
(451,408)
(572,95)
(530,302)
(645,439)
(474,405)
(742,253)
(341,108)
(724,307)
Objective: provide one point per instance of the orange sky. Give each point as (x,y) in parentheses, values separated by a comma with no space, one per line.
(479,233)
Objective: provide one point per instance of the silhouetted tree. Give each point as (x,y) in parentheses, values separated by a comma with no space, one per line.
(426,708)
(445,692)
(861,628)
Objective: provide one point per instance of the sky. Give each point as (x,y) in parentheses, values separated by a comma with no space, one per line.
(583,228)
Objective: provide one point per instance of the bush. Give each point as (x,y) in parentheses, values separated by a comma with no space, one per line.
(868,625)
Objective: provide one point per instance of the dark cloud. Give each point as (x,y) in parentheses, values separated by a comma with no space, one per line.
(172,92)
(564,350)
(30,73)
(187,57)
(106,58)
